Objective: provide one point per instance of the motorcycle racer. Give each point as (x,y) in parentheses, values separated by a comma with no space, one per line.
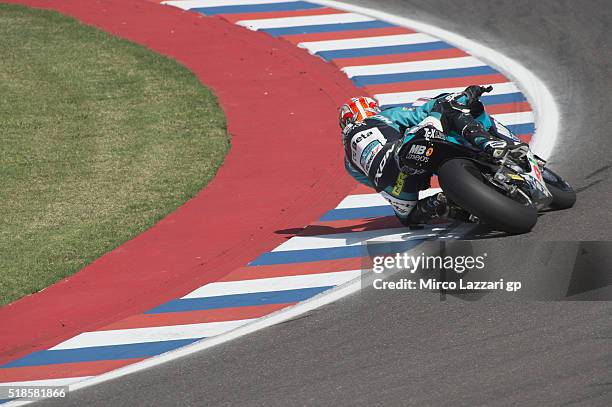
(374,142)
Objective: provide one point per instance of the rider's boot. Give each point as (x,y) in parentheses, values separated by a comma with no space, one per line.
(435,206)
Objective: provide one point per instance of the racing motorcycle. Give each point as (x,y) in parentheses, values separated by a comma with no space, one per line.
(504,193)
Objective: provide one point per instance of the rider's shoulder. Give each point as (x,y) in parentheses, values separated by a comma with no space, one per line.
(381,118)
(353,128)
(379,121)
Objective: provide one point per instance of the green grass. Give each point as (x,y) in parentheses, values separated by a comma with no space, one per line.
(99,139)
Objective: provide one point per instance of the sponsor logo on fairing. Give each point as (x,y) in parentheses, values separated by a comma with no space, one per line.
(415,157)
(419,153)
(399,184)
(417,149)
(428,131)
(431,132)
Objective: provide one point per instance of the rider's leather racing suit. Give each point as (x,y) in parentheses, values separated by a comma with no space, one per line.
(371,148)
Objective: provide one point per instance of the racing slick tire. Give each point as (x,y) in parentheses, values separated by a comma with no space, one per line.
(463,183)
(563,194)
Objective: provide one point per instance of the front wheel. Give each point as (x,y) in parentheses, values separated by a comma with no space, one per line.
(464,184)
(563,194)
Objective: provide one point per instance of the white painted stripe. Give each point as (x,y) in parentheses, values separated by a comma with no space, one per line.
(286,314)
(189,4)
(354,238)
(151,334)
(413,66)
(47,382)
(261,323)
(409,97)
(362,200)
(365,200)
(340,18)
(273,284)
(367,42)
(509,119)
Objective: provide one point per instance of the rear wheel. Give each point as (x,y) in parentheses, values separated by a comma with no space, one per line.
(464,184)
(563,194)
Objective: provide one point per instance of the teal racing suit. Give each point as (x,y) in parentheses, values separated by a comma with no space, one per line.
(371,147)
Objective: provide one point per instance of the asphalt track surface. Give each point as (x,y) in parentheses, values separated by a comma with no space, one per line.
(429,348)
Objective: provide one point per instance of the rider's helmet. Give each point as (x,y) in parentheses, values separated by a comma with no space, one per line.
(358,109)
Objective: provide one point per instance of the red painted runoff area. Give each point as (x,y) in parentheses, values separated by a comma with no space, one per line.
(284,170)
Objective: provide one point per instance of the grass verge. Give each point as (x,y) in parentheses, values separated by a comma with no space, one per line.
(99,139)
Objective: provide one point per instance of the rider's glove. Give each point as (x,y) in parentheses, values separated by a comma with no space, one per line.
(495,148)
(518,150)
(470,99)
(474,92)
